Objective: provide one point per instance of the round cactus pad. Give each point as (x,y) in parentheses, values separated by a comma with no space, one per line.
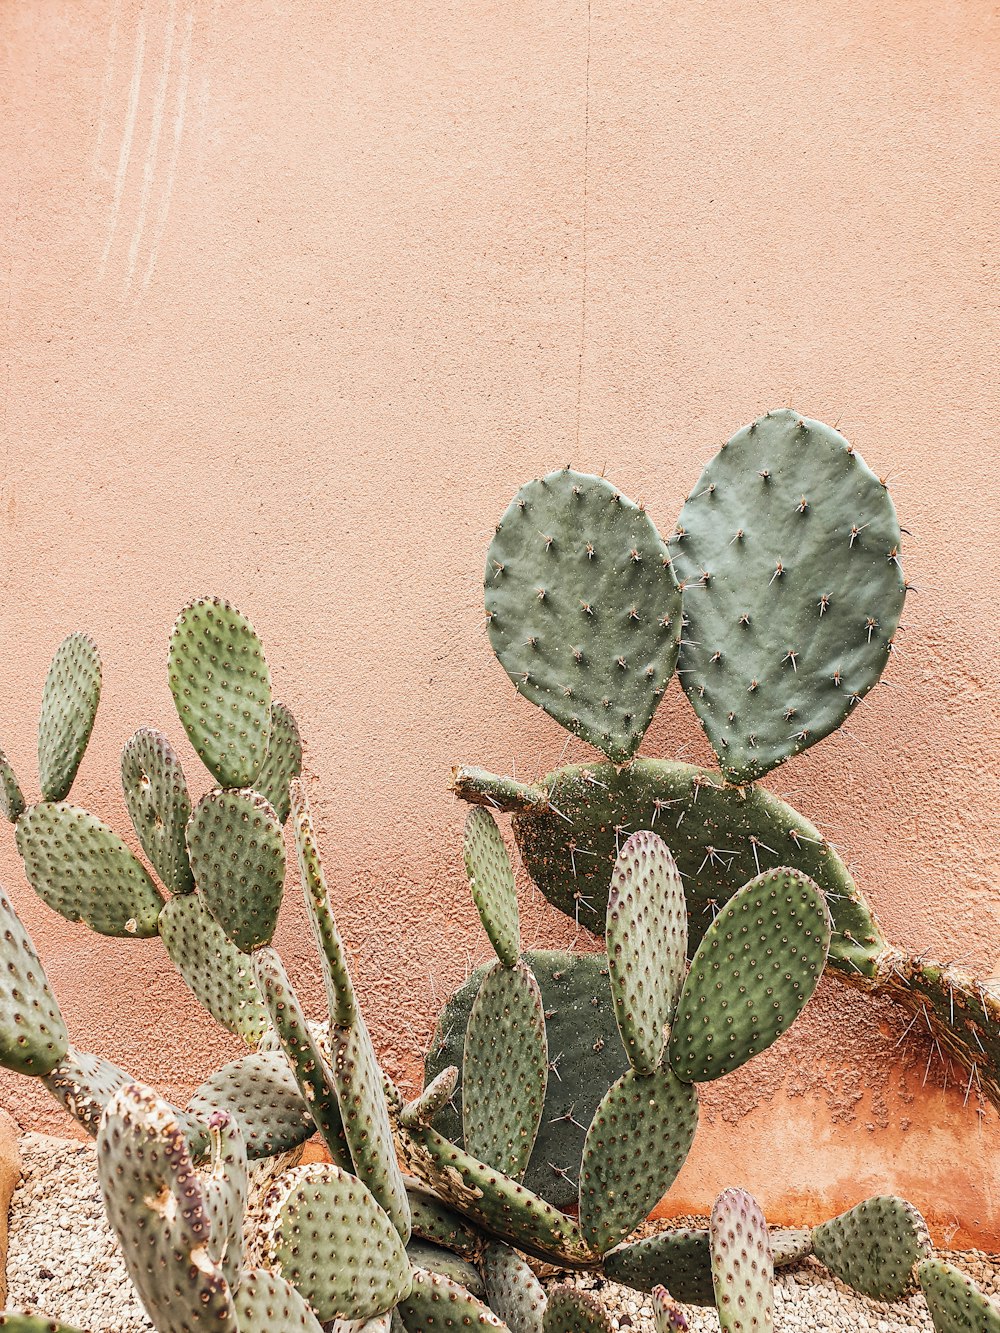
(874,1246)
(261,1095)
(70,697)
(237,855)
(159,806)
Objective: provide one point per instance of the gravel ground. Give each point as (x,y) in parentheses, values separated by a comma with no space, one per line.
(63,1261)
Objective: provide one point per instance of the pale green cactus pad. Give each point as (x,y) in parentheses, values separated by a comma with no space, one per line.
(221,685)
(569,1310)
(790,1245)
(678,1259)
(159,806)
(742,1264)
(70,697)
(269,1304)
(218,973)
(434,1221)
(260,1093)
(955,1302)
(224,1192)
(33,1036)
(512,1290)
(636,1144)
(875,1246)
(646,936)
(283,761)
(583,608)
(326,1235)
(668,1316)
(33,1323)
(436,1302)
(506,1069)
(332,954)
(436,1259)
(238,858)
(11,796)
(491,879)
(84,871)
(753,973)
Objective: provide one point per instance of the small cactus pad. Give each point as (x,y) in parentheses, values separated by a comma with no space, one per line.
(33,1323)
(955,1302)
(583,608)
(327,1236)
(668,1316)
(33,1036)
(269,1304)
(752,974)
(491,879)
(506,1069)
(647,946)
(219,974)
(434,1221)
(678,1259)
(790,1245)
(84,871)
(434,1098)
(159,805)
(788,555)
(11,796)
(874,1246)
(283,761)
(261,1095)
(154,1202)
(70,697)
(512,1290)
(221,685)
(224,1191)
(436,1259)
(238,859)
(742,1266)
(637,1142)
(436,1302)
(570,1310)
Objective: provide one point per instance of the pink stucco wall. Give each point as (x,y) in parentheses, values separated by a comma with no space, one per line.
(293,296)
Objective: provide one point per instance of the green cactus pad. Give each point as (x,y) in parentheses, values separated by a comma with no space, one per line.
(33,1323)
(436,1259)
(874,1246)
(720,837)
(155,1204)
(788,555)
(269,1304)
(646,936)
(238,858)
(585,1055)
(224,1192)
(512,1290)
(261,1095)
(742,1265)
(159,806)
(434,1098)
(434,1221)
(70,697)
(283,761)
(436,1302)
(33,1036)
(506,1069)
(678,1259)
(325,1233)
(84,871)
(221,685)
(491,879)
(790,1245)
(638,1141)
(668,1317)
(583,609)
(219,974)
(753,973)
(569,1310)
(11,796)
(955,1302)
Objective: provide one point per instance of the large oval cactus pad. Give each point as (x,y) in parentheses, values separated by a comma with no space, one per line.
(238,859)
(70,697)
(874,1246)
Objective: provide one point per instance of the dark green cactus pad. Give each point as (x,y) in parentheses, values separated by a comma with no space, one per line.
(159,806)
(269,1304)
(585,1053)
(506,1068)
(154,1202)
(955,1302)
(11,796)
(646,935)
(84,871)
(874,1246)
(790,1245)
(583,608)
(787,551)
(436,1259)
(436,1302)
(224,1192)
(569,1310)
(434,1098)
(720,837)
(638,1141)
(238,858)
(283,761)
(219,974)
(512,1290)
(491,879)
(678,1259)
(33,1036)
(668,1317)
(33,1323)
(260,1093)
(221,685)
(742,1265)
(752,975)
(434,1221)
(326,1234)
(70,697)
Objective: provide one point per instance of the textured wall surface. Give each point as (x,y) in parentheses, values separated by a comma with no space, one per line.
(293,296)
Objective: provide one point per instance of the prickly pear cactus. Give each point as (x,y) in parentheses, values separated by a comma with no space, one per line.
(491,879)
(283,761)
(512,1289)
(261,1095)
(668,1317)
(32,1323)
(265,1304)
(874,1246)
(742,1266)
(11,796)
(436,1302)
(572,1311)
(955,1302)
(159,806)
(33,1036)
(70,697)
(678,1259)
